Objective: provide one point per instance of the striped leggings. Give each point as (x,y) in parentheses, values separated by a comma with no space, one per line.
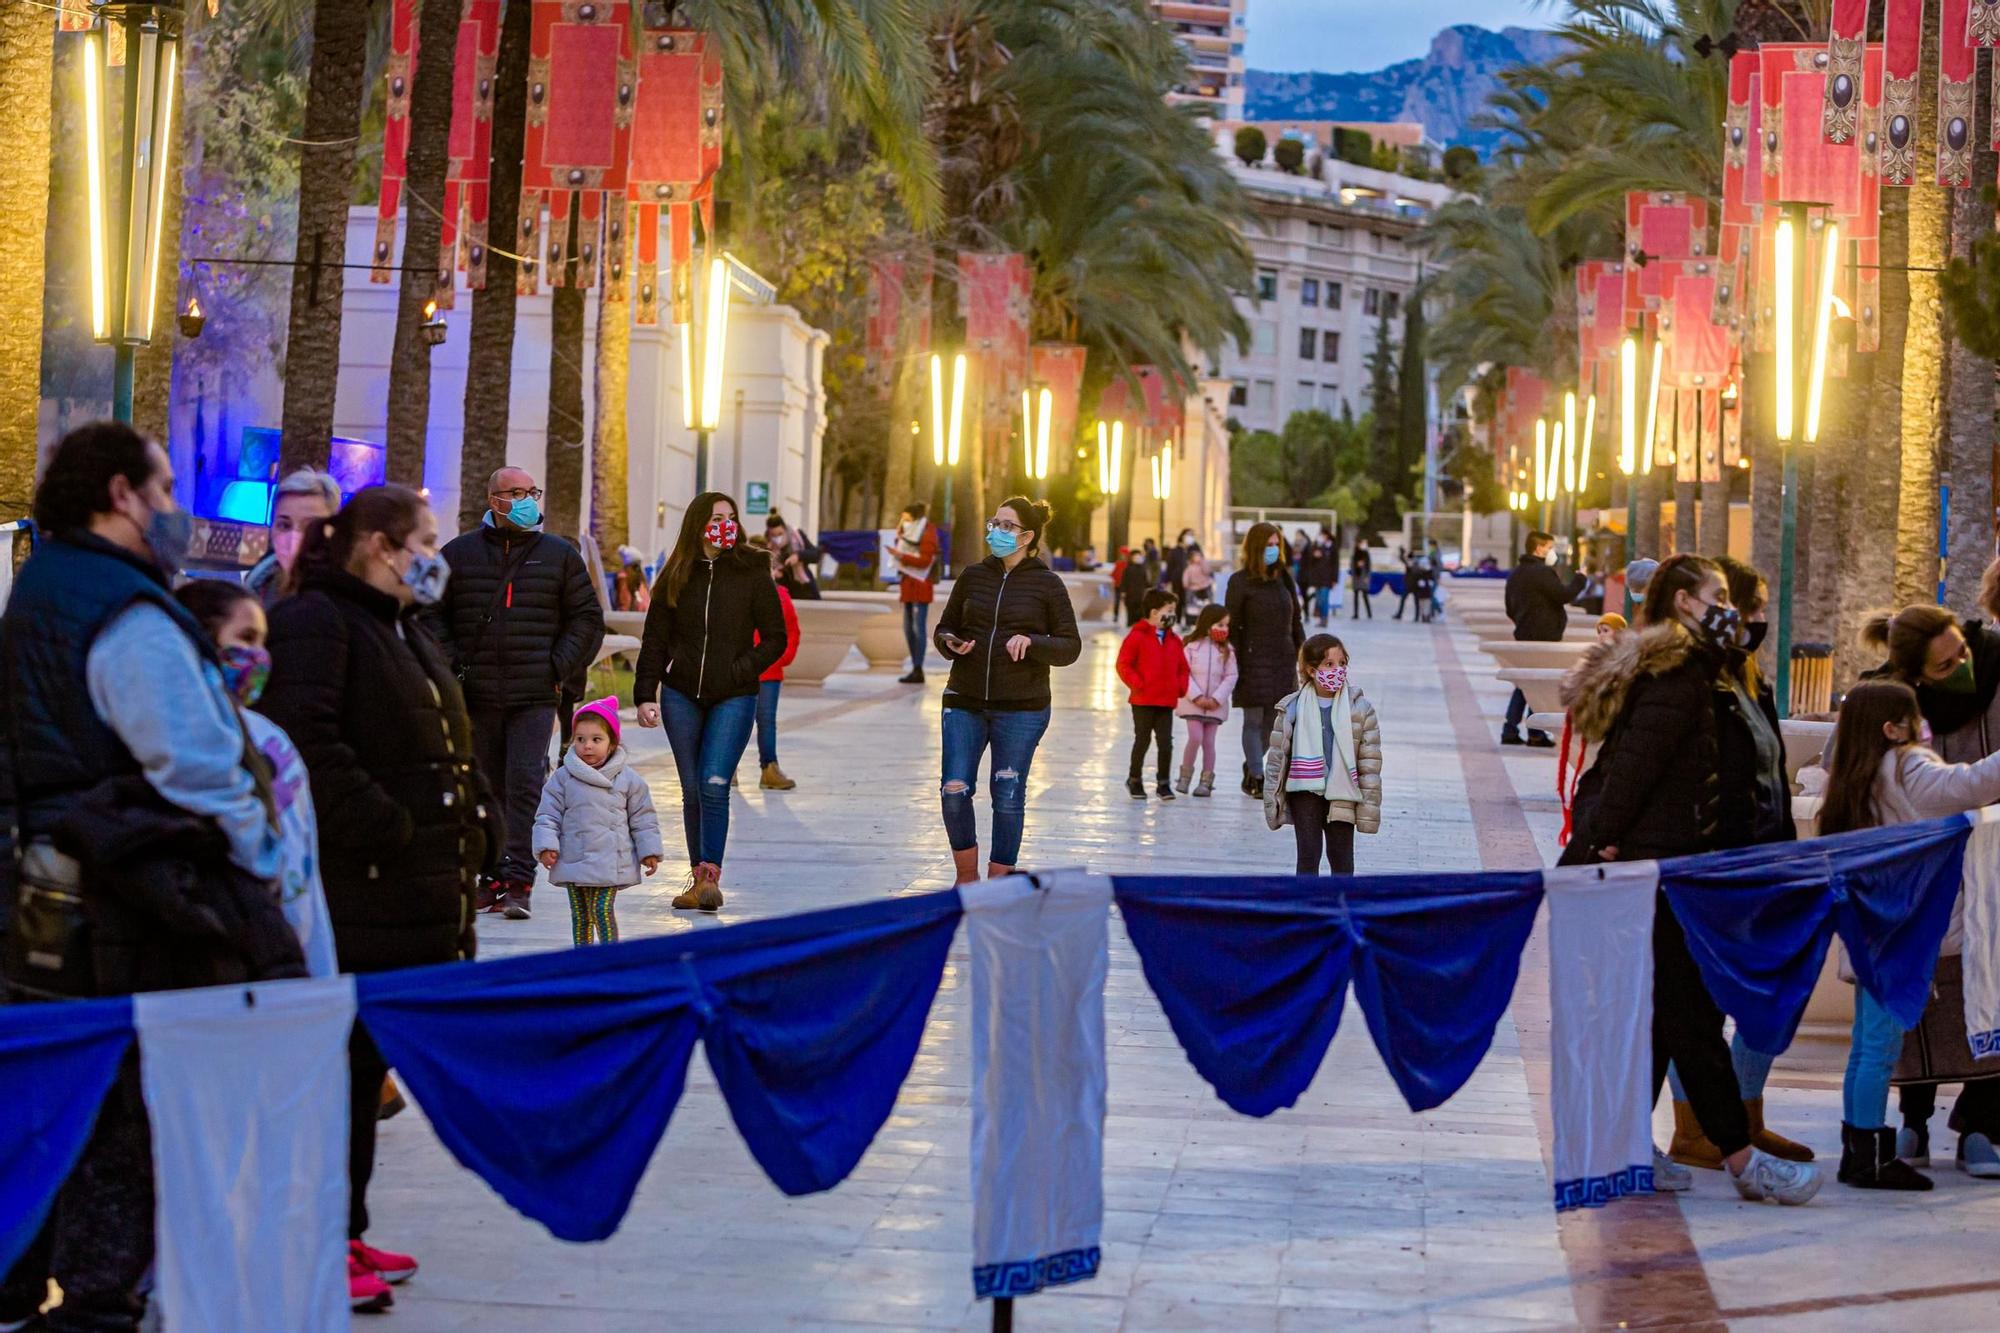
(591,920)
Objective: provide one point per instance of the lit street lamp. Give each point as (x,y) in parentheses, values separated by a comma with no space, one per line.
(127,176)
(1110,456)
(1163,484)
(1797,377)
(1035,433)
(701,367)
(947,433)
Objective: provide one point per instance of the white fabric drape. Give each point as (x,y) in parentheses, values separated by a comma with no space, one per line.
(248,1103)
(1601,1030)
(1979,895)
(1039,958)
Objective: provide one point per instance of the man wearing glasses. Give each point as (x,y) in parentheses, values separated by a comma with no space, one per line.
(521,623)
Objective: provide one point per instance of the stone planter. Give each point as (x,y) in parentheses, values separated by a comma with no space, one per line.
(1089,594)
(1541,685)
(1508,653)
(827,629)
(1803,743)
(881,635)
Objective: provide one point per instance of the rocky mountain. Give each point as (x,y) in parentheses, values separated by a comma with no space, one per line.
(1445,88)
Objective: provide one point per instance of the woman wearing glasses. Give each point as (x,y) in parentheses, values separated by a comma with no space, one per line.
(1008,621)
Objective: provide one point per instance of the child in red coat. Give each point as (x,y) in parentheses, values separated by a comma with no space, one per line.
(1154,667)
(769,686)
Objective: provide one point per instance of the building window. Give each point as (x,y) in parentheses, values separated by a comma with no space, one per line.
(1263,338)
(1307,339)
(1239,394)
(1371,302)
(1336,236)
(1309,291)
(1315,232)
(1333,296)
(1391,303)
(1267,284)
(1330,347)
(1262,394)
(1329,398)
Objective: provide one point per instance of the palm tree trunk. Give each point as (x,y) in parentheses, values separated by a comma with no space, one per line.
(609,517)
(1868,571)
(1924,353)
(565,466)
(1760,446)
(489,370)
(900,457)
(1646,542)
(153,366)
(1820,508)
(1969,401)
(334,96)
(1685,535)
(423,224)
(27,57)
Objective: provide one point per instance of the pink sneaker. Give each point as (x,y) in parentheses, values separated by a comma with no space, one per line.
(385,1264)
(366,1291)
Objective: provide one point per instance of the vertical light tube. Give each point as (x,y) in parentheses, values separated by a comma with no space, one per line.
(1558,451)
(1822,327)
(1583,446)
(1628,406)
(139,183)
(690,386)
(1785,333)
(715,338)
(1653,400)
(937,409)
(93,139)
(1027,436)
(1158,494)
(1166,474)
(1541,454)
(957,409)
(1117,456)
(163,147)
(1103,459)
(1046,414)
(1569,442)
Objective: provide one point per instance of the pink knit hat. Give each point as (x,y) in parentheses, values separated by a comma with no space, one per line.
(605,711)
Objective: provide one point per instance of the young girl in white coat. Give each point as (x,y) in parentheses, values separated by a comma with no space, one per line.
(1211,677)
(596,831)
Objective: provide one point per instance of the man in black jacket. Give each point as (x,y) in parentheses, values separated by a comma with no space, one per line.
(1537,603)
(521,622)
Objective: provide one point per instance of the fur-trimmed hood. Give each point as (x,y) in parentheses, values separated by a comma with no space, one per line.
(1594,690)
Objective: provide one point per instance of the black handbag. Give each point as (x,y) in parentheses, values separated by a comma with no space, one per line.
(49,945)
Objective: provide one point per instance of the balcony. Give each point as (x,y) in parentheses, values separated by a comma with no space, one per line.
(1185,11)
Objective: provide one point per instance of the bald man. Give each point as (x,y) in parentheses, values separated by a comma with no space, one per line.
(521,622)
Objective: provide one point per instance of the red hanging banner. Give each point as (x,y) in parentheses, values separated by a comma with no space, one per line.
(1697,348)
(993,298)
(1800,166)
(1058,367)
(1687,435)
(884,324)
(676,151)
(582,87)
(1711,435)
(1742,189)
(1840,119)
(1658,225)
(1902,51)
(1956,65)
(398,74)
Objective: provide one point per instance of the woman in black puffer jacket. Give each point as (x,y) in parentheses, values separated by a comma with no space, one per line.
(714,627)
(1266,632)
(1008,621)
(406,825)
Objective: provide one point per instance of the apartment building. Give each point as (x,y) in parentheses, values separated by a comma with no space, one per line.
(1333,258)
(1212,32)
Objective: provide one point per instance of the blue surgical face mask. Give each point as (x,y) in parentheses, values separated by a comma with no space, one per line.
(169,533)
(1272,554)
(426,577)
(524,512)
(1002,542)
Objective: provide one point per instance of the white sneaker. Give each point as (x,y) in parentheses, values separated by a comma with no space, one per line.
(1768,1177)
(1669,1176)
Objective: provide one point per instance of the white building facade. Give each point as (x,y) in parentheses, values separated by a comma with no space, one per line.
(1212,32)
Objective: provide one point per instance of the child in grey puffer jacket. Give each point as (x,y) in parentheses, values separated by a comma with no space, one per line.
(596,831)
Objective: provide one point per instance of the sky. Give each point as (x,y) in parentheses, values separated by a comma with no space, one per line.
(1336,36)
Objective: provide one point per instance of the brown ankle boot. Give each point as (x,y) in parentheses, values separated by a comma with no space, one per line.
(708,886)
(1690,1146)
(774,779)
(689,898)
(1775,1144)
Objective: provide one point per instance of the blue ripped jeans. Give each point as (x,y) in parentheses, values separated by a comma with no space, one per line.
(708,742)
(1871,1059)
(1013,737)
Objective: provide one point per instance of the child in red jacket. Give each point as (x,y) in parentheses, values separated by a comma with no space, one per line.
(769,685)
(1154,667)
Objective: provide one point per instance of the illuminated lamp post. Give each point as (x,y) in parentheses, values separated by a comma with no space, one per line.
(1163,484)
(1799,392)
(1110,456)
(128,175)
(947,432)
(701,367)
(1036,414)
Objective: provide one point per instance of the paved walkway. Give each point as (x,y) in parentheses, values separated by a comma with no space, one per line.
(1344,1211)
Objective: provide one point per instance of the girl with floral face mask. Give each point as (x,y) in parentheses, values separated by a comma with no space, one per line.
(1323,770)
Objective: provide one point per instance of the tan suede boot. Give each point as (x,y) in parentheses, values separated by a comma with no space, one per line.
(708,886)
(1690,1146)
(1775,1144)
(774,779)
(689,898)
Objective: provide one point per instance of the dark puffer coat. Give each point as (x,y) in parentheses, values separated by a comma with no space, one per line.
(1737,821)
(1266,632)
(1648,697)
(405,824)
(519,616)
(989,605)
(724,631)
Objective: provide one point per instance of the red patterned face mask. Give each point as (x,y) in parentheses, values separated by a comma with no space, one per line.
(721,533)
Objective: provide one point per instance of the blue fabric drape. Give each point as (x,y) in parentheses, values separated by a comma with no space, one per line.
(1252,973)
(1759,921)
(56,1063)
(553,1076)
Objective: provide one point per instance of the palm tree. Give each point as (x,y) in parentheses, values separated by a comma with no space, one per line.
(610,520)
(27,55)
(1922,432)
(423,223)
(336,91)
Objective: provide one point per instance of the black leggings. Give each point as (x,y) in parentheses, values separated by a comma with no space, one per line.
(1309,826)
(1687,1029)
(1150,723)
(1361,599)
(366,1070)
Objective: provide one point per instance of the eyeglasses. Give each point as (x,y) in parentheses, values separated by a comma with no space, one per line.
(519,493)
(1002,525)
